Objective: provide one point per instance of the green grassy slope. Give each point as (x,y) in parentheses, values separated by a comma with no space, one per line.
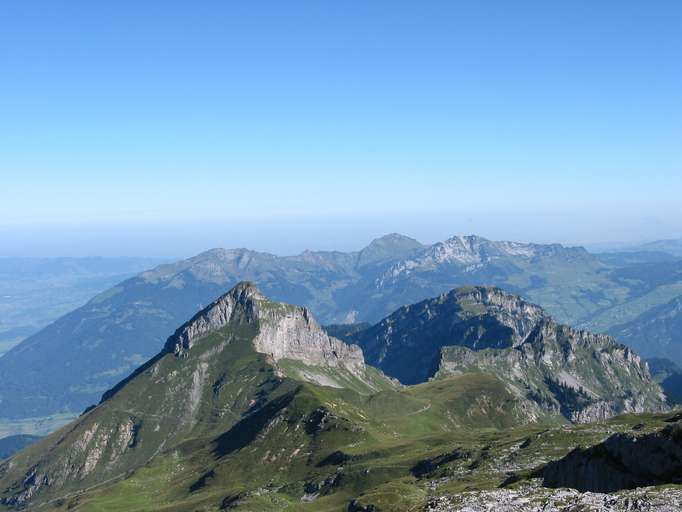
(212,424)
(392,471)
(310,441)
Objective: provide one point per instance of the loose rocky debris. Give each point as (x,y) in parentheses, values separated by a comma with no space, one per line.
(533,498)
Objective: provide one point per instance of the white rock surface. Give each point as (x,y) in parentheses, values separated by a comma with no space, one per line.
(284,331)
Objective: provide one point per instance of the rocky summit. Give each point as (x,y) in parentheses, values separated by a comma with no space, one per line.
(580,375)
(226,362)
(65,367)
(284,332)
(252,406)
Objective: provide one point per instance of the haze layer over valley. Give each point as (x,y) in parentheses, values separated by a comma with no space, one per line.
(331,256)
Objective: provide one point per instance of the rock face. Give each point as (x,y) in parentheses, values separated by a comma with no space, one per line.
(407,343)
(69,364)
(561,370)
(296,335)
(284,331)
(623,461)
(218,367)
(583,376)
(474,252)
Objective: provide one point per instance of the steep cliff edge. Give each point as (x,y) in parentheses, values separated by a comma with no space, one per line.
(623,461)
(239,359)
(580,375)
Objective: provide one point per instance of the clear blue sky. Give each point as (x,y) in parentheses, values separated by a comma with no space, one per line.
(170,127)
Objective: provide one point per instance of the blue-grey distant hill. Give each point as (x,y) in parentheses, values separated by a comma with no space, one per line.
(37,291)
(69,364)
(656,332)
(11,444)
(673,247)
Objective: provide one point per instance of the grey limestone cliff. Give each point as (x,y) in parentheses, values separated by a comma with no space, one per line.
(284,331)
(575,373)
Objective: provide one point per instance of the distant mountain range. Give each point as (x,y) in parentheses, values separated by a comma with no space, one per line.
(657,332)
(37,291)
(673,247)
(69,364)
(252,403)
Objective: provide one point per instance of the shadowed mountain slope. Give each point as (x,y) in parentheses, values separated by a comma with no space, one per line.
(583,376)
(69,364)
(251,405)
(656,332)
(245,375)
(622,461)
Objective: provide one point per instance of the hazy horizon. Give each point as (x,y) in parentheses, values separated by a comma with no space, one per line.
(134,130)
(293,235)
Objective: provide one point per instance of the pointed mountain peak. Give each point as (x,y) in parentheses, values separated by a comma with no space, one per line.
(393,241)
(284,331)
(389,247)
(216,316)
(393,238)
(244,291)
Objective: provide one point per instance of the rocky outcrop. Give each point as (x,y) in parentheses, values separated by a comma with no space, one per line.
(583,376)
(284,331)
(533,499)
(96,448)
(472,253)
(623,461)
(560,370)
(67,366)
(292,333)
(216,316)
(407,343)
(218,368)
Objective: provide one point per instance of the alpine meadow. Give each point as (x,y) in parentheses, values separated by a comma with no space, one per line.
(341,256)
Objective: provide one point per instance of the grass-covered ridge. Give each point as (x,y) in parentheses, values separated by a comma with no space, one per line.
(252,406)
(226,423)
(395,472)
